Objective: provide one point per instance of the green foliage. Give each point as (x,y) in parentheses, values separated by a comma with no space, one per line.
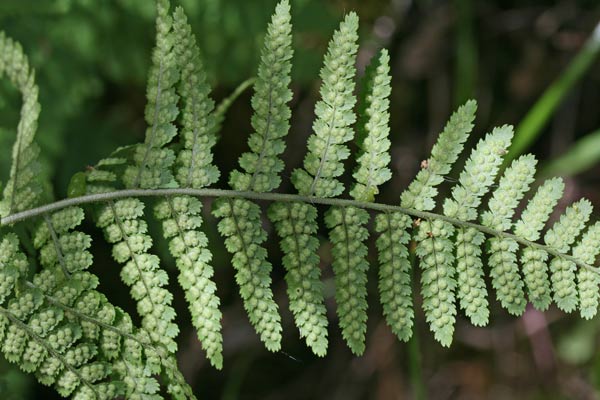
(194,161)
(561,236)
(57,326)
(152,161)
(240,224)
(422,190)
(533,219)
(348,233)
(296,225)
(335,115)
(181,219)
(271,114)
(475,180)
(373,130)
(394,272)
(22,190)
(502,253)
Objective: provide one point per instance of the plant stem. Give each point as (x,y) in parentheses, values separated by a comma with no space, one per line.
(119,194)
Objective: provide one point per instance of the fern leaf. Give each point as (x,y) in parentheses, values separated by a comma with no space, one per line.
(422,190)
(240,224)
(587,250)
(123,225)
(270,121)
(152,160)
(181,218)
(478,175)
(335,115)
(435,250)
(194,162)
(434,247)
(561,237)
(348,233)
(65,250)
(49,330)
(532,221)
(502,251)
(261,167)
(23,189)
(373,129)
(296,225)
(394,272)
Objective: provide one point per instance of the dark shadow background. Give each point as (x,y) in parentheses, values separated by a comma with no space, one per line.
(92,58)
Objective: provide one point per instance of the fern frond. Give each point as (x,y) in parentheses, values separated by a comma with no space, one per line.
(262,165)
(56,325)
(181,219)
(296,225)
(502,259)
(335,115)
(422,190)
(152,161)
(241,226)
(394,272)
(194,162)
(66,250)
(561,237)
(348,233)
(52,317)
(373,130)
(588,281)
(435,250)
(181,216)
(475,180)
(23,188)
(124,226)
(533,219)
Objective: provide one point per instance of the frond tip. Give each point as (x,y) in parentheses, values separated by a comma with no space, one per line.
(270,121)
(332,128)
(372,170)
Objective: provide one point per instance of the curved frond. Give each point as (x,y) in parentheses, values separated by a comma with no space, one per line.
(55,323)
